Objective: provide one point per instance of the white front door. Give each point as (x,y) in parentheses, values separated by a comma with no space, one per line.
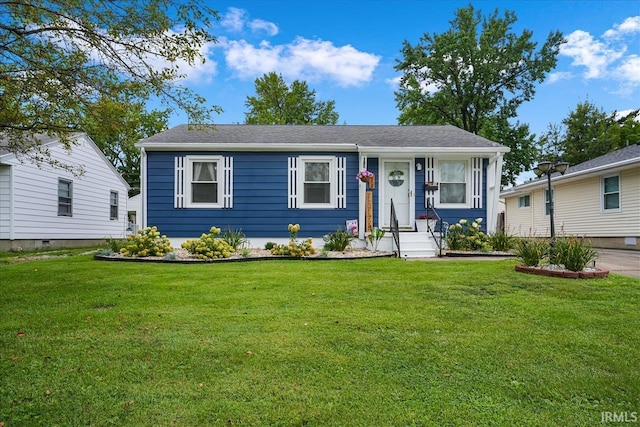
(396,183)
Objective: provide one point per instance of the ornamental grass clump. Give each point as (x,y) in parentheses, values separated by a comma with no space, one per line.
(209,246)
(466,236)
(574,253)
(502,241)
(146,242)
(294,248)
(531,251)
(339,240)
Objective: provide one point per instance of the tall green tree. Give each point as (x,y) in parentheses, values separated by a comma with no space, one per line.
(277,104)
(115,127)
(589,132)
(58,57)
(475,76)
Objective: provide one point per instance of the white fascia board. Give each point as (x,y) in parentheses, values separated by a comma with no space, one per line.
(163,146)
(467,151)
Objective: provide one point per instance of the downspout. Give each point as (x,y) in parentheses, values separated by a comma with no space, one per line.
(362,189)
(494,179)
(143,188)
(12,202)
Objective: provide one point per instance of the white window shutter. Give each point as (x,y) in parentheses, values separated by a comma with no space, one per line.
(429,176)
(179,182)
(342,183)
(292,182)
(476,182)
(227,183)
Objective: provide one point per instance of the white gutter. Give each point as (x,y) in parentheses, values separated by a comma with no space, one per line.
(163,146)
(481,151)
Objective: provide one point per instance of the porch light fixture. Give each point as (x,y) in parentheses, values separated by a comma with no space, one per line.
(418,166)
(547,168)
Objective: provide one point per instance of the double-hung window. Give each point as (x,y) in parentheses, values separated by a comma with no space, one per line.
(203,185)
(65,197)
(547,202)
(453,183)
(524,201)
(113,205)
(611,193)
(318,182)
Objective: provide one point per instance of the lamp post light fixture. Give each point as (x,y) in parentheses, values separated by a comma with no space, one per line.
(547,168)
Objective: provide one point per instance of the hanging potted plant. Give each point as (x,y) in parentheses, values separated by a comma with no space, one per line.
(368,177)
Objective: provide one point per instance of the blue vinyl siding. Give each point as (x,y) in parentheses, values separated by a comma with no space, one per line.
(452,216)
(260,198)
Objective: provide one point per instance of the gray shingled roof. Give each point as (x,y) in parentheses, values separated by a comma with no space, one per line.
(629,153)
(362,136)
(38,139)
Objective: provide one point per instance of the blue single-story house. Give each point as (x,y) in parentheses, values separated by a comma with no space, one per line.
(260,178)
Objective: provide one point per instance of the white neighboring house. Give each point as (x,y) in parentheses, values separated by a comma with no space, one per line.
(50,207)
(598,199)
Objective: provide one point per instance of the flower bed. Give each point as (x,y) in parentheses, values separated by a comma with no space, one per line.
(556,271)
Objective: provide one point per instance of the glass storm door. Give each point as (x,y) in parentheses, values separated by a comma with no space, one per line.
(396,185)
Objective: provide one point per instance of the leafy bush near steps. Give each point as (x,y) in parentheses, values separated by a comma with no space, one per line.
(146,242)
(339,240)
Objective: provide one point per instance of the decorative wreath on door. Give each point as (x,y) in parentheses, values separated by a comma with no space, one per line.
(396,178)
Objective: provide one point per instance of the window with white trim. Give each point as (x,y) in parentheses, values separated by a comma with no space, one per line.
(203,187)
(453,183)
(524,201)
(611,193)
(317,182)
(113,205)
(547,205)
(65,197)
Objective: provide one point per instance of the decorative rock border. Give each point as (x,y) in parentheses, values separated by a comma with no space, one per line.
(597,273)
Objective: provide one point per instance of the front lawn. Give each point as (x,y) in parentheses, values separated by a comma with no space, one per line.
(325,343)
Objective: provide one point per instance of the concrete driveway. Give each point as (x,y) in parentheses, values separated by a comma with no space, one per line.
(619,261)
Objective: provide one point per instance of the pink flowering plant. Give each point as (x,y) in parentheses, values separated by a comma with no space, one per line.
(364,175)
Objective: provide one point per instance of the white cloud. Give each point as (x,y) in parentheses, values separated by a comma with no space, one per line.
(558,76)
(302,59)
(235,20)
(258,25)
(629,26)
(629,70)
(588,52)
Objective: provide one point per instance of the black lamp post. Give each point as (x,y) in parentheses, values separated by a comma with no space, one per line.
(547,168)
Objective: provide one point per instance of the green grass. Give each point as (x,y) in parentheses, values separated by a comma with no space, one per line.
(320,343)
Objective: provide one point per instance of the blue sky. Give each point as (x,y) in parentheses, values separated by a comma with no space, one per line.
(347,50)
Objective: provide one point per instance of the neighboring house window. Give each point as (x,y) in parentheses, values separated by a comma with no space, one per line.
(524,201)
(611,193)
(318,182)
(453,182)
(65,194)
(113,205)
(203,189)
(547,205)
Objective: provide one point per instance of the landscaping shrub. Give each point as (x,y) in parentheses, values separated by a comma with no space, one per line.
(502,241)
(294,248)
(339,240)
(531,251)
(209,246)
(235,238)
(466,236)
(269,245)
(574,253)
(146,242)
